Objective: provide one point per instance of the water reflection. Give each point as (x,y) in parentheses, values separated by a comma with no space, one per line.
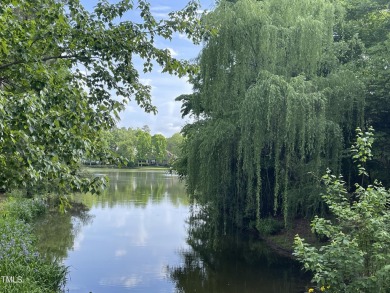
(135,238)
(232,264)
(138,225)
(58,233)
(138,188)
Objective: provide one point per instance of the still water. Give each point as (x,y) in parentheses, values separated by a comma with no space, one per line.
(136,238)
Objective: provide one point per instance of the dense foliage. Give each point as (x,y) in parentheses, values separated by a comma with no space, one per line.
(280,90)
(356,257)
(59,68)
(273,103)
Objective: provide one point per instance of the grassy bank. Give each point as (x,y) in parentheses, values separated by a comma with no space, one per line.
(22,269)
(283,240)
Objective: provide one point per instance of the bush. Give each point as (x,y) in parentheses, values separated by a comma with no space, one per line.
(21,267)
(269,226)
(357,256)
(24,209)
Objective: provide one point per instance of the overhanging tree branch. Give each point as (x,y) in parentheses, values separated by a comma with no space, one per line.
(7,65)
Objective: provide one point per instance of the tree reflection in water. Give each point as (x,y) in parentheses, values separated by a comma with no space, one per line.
(56,232)
(232,263)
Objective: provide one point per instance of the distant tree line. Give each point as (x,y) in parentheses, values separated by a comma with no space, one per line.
(138,147)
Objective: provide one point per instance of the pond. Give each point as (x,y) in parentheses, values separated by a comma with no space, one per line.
(136,238)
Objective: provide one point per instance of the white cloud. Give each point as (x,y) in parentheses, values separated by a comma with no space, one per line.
(78,240)
(128,282)
(132,281)
(120,220)
(171,107)
(161,11)
(168,119)
(120,252)
(161,8)
(184,37)
(130,109)
(143,235)
(146,81)
(160,15)
(173,52)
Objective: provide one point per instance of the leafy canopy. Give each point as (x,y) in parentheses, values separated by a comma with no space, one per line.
(59,66)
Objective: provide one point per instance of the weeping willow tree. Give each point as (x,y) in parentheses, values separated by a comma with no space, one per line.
(272,104)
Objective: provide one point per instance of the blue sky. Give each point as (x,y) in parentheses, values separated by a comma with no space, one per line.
(165,88)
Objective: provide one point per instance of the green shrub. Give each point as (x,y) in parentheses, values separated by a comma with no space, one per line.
(357,256)
(24,209)
(269,226)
